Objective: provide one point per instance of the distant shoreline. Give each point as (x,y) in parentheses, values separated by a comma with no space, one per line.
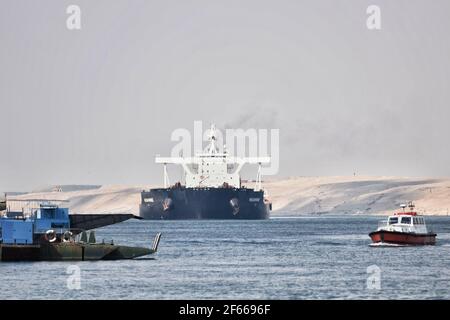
(294,196)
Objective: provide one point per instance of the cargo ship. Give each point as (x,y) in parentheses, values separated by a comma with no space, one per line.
(212,189)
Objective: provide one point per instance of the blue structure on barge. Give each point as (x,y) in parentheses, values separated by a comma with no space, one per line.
(19,229)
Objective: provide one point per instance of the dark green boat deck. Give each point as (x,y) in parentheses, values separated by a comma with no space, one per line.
(70,252)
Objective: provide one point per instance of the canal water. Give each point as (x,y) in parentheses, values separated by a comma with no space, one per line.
(314,257)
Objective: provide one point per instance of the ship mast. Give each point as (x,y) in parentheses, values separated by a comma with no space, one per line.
(212,148)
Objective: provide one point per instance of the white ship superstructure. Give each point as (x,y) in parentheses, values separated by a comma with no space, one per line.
(212,168)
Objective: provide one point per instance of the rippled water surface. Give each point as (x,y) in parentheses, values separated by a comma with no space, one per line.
(323,257)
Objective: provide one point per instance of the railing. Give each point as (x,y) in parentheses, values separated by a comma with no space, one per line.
(28,207)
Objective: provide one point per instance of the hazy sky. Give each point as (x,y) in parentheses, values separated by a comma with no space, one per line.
(94,106)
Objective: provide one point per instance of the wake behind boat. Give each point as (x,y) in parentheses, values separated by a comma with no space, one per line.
(403,228)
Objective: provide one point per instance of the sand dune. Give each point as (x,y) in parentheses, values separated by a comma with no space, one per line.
(358,195)
(105,199)
(294,196)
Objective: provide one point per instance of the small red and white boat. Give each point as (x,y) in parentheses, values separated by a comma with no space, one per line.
(403,228)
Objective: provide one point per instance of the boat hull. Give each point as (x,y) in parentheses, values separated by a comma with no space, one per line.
(402,238)
(70,252)
(203,203)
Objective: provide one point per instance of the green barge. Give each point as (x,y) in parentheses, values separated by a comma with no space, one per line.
(48,233)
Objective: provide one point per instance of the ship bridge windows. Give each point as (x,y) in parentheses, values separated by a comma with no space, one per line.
(393,220)
(406,220)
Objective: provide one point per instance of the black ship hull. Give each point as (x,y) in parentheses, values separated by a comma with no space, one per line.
(203,203)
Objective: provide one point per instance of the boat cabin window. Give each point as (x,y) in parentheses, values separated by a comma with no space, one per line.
(406,220)
(393,220)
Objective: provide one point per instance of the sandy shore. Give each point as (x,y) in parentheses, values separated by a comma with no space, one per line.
(293,196)
(358,195)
